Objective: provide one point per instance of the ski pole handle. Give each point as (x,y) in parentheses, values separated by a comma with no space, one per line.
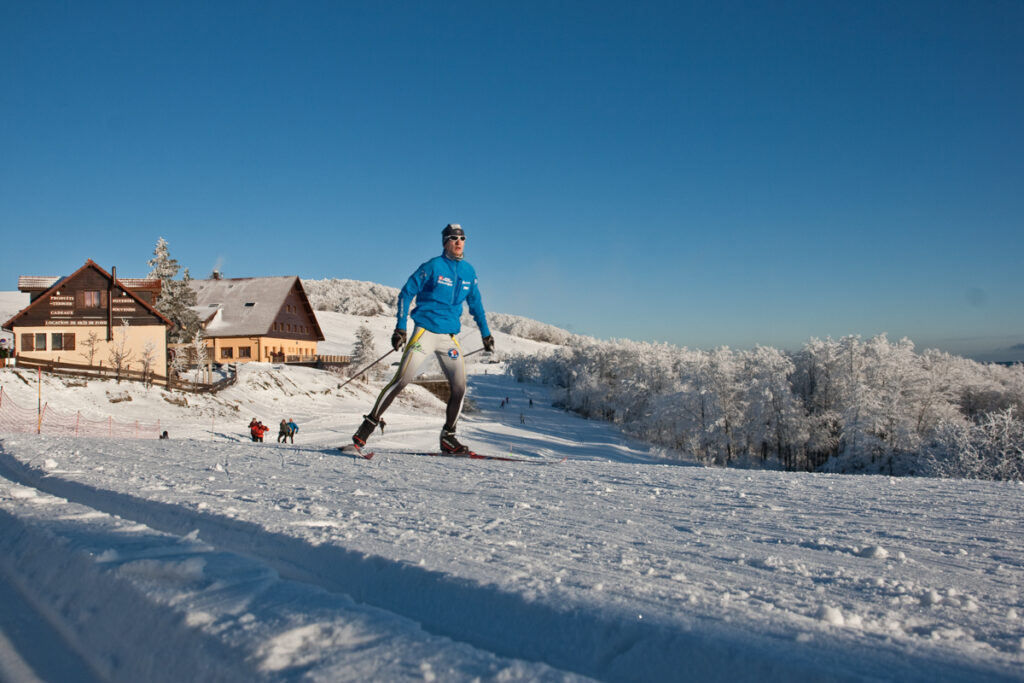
(367,368)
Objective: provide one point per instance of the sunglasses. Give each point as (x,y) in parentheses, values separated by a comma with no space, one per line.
(459,238)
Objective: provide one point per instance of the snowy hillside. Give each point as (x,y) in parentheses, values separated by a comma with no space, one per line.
(10,304)
(209,557)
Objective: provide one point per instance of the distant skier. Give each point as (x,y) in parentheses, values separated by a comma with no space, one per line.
(440,287)
(292,429)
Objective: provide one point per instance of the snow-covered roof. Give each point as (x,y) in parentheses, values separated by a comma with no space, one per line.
(134,283)
(41,283)
(28,283)
(245,307)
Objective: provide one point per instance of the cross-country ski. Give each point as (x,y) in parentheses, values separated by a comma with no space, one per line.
(469,456)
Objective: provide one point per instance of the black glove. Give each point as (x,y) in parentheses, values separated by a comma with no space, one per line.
(398,339)
(488,343)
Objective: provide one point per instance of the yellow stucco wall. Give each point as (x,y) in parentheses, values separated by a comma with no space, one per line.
(260,348)
(135,340)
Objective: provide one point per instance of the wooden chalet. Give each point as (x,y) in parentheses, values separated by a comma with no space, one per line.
(266,319)
(84,317)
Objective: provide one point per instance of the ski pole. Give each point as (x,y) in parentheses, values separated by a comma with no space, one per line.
(367,367)
(472,353)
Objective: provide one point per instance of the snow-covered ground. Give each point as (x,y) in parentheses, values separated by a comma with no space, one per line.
(209,557)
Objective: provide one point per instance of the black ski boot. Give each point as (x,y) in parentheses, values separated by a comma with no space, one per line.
(451,445)
(364,431)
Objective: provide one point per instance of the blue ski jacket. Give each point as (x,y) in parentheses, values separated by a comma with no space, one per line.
(440,287)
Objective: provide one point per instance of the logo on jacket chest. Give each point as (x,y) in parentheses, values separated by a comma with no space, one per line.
(444,280)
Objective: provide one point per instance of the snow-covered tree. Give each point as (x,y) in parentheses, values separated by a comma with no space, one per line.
(90,346)
(200,354)
(179,362)
(119,353)
(147,359)
(162,265)
(992,448)
(176,296)
(777,420)
(364,352)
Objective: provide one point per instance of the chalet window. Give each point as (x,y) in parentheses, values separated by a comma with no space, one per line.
(245,352)
(28,342)
(40,341)
(227,352)
(62,342)
(91,299)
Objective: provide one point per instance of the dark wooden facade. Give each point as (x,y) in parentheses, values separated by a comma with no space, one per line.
(296,319)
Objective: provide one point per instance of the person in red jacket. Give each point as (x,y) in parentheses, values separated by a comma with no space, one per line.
(257,429)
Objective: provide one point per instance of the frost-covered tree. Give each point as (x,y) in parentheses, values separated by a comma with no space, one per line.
(90,347)
(777,419)
(176,296)
(179,362)
(992,448)
(200,354)
(119,353)
(364,351)
(162,265)
(147,359)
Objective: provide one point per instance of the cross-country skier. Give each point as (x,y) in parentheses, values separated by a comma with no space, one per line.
(440,287)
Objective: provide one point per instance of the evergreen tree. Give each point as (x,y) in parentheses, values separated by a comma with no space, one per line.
(365,350)
(176,296)
(162,266)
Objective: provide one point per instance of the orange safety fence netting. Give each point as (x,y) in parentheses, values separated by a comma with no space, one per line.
(15,419)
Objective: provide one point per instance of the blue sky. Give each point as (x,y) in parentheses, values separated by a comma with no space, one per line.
(701,173)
